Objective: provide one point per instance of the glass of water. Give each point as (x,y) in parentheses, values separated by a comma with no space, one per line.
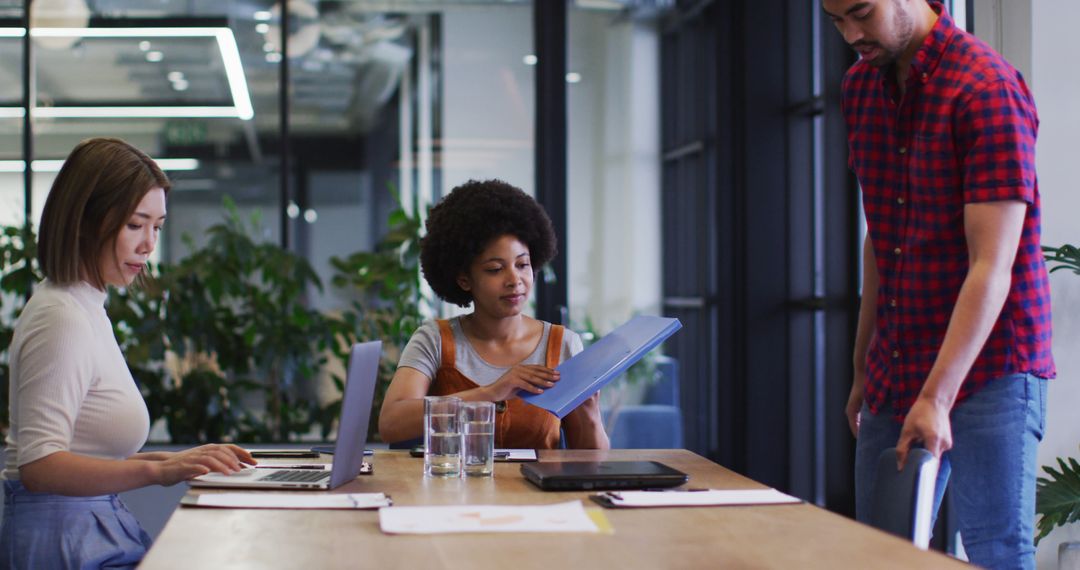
(478,427)
(442,436)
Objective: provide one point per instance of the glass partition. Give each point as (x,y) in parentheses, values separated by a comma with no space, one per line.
(389,103)
(613,198)
(11,121)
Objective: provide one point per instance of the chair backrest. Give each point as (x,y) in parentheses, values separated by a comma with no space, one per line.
(647,426)
(903,501)
(666,388)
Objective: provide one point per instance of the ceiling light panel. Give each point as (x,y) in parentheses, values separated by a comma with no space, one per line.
(108,73)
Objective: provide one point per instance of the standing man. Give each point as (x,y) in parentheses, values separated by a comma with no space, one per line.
(953,345)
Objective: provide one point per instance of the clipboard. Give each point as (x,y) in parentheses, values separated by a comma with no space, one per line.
(584,374)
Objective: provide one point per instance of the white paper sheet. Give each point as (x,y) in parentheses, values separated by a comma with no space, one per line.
(516,454)
(562,517)
(709,497)
(301,500)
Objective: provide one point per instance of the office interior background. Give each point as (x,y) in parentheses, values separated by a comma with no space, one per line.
(691,153)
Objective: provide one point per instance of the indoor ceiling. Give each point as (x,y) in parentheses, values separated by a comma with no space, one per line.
(347,60)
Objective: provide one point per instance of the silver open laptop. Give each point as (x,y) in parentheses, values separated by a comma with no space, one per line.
(352,435)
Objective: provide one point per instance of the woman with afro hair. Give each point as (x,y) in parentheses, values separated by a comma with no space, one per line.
(485,243)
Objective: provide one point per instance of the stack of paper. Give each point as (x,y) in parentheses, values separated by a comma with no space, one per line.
(702,498)
(562,517)
(288,500)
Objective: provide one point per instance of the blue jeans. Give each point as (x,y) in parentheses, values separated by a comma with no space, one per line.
(43,530)
(992,466)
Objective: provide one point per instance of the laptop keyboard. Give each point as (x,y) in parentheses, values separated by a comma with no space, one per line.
(297,476)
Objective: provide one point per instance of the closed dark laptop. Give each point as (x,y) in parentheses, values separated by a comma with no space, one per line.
(589,475)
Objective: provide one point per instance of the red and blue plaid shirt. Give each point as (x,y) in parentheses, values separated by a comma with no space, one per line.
(963,132)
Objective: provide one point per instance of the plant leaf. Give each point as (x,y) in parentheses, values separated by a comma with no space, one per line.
(1057,498)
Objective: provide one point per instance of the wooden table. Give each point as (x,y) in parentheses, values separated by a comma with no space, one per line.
(778,536)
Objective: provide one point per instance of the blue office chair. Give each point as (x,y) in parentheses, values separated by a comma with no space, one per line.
(665,390)
(902,502)
(649,426)
(656,424)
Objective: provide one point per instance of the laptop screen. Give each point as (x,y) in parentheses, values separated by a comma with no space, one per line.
(363,373)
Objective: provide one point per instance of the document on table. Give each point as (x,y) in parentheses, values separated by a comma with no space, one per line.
(515,455)
(561,517)
(695,498)
(288,500)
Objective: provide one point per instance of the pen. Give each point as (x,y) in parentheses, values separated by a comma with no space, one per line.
(319,467)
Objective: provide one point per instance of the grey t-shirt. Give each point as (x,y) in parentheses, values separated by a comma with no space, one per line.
(424,352)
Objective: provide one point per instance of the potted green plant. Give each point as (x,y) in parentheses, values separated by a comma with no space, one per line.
(18,273)
(1057,499)
(222,342)
(387,300)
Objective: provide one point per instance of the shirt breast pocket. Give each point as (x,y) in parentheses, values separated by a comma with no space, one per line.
(934,172)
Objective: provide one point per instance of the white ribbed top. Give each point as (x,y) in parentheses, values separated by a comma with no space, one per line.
(71,389)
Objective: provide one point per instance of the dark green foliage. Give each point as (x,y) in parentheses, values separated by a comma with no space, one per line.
(387,282)
(18,273)
(1058,497)
(1064,257)
(234,313)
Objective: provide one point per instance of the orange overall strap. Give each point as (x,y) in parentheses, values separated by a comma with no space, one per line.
(446,335)
(554,346)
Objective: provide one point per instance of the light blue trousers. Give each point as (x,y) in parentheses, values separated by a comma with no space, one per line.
(991,466)
(43,530)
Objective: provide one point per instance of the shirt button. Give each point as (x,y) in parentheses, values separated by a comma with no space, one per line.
(900,200)
(925,77)
(892,303)
(903,150)
(896,354)
(896,251)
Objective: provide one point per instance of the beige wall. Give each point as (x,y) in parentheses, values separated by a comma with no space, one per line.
(1036,36)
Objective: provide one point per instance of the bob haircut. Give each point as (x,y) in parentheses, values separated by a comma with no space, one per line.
(96,192)
(463,223)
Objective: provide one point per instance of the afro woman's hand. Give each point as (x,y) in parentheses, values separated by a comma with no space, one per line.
(529,378)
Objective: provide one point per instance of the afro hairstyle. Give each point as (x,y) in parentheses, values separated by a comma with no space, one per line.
(463,223)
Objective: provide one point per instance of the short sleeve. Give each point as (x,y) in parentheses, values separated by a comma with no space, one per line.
(53,370)
(996,138)
(571,345)
(423,350)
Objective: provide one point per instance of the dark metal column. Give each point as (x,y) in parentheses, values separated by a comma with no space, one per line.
(29,96)
(29,99)
(759,240)
(549,37)
(842,276)
(283,118)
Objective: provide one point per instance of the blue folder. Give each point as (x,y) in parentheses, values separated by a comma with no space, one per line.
(583,375)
